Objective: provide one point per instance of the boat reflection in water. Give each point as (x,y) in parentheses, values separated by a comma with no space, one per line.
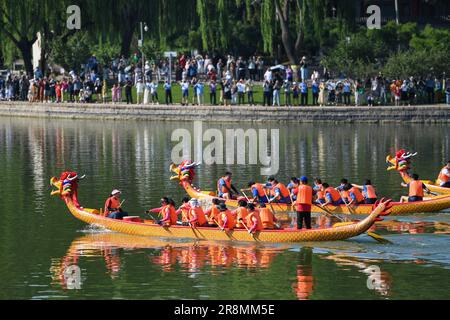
(190,256)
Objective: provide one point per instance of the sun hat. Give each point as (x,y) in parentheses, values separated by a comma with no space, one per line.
(115,192)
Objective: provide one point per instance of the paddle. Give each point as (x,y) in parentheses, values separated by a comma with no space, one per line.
(378,238)
(268,201)
(248,230)
(248,200)
(329,213)
(222,229)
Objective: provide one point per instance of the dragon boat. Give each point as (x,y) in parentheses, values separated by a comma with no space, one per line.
(435,204)
(67,189)
(401,163)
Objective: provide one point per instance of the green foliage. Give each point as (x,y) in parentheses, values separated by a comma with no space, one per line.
(74,53)
(106,52)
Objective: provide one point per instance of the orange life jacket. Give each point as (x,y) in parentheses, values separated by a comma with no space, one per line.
(284,192)
(335,196)
(416,188)
(214,214)
(304,195)
(249,221)
(112,204)
(357,193)
(227,183)
(345,194)
(370,192)
(231,221)
(241,213)
(320,194)
(259,188)
(266,218)
(201,218)
(185,212)
(444,178)
(173,217)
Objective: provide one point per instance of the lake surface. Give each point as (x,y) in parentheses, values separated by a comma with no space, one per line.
(42,247)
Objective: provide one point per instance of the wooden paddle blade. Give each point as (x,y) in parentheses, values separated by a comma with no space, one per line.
(378,238)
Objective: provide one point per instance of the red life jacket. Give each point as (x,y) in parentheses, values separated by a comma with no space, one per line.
(241,213)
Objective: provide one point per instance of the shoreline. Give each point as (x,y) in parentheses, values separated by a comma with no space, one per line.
(378,114)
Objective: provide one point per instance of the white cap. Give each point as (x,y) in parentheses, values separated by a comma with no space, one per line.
(194,202)
(115,192)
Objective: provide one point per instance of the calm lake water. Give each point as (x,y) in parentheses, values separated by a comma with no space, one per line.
(40,241)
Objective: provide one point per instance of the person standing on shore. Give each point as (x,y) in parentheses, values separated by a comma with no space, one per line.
(213,93)
(168,91)
(128,92)
(139,90)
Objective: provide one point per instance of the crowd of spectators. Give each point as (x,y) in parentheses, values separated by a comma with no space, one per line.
(227,81)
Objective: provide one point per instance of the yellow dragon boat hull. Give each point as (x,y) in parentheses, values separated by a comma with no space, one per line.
(144,228)
(433,205)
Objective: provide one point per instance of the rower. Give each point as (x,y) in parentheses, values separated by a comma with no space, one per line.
(293,187)
(304,203)
(168,213)
(226,219)
(213,213)
(196,215)
(280,193)
(184,211)
(416,190)
(225,188)
(342,192)
(320,194)
(355,196)
(444,176)
(240,213)
(253,220)
(368,191)
(113,206)
(257,190)
(332,196)
(268,219)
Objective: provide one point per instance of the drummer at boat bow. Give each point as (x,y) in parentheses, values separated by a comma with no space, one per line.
(416,190)
(444,176)
(225,188)
(113,206)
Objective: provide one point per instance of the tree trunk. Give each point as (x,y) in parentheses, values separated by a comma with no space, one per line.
(26,49)
(126,38)
(300,34)
(127,29)
(285,35)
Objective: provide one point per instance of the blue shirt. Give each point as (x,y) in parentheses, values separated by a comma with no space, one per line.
(303,87)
